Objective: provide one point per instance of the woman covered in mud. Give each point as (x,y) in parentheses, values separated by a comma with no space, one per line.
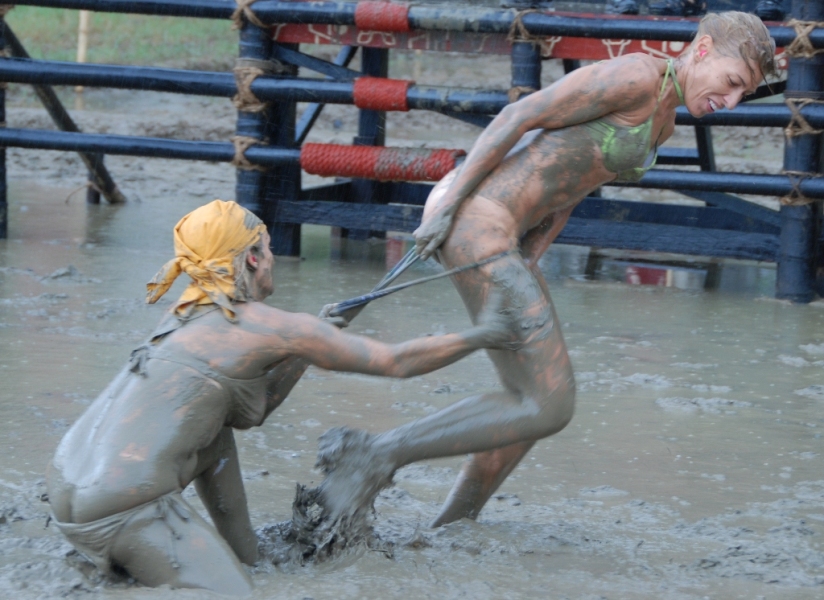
(527,171)
(220,359)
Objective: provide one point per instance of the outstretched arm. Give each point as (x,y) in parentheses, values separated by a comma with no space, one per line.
(621,84)
(282,378)
(325,346)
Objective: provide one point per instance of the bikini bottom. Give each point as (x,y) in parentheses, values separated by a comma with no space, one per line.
(96,539)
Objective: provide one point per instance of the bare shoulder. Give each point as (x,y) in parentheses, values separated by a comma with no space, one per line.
(264,319)
(637,70)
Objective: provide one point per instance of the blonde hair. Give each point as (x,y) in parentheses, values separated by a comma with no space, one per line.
(740,35)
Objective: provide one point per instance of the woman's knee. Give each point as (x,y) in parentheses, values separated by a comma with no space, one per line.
(557,406)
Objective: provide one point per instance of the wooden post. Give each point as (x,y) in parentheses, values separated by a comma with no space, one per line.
(93,191)
(795,279)
(284,182)
(82,41)
(4,206)
(255,44)
(371,132)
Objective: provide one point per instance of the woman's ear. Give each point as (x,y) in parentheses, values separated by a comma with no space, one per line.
(251,261)
(702,47)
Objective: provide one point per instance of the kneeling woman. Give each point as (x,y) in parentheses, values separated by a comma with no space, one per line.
(221,359)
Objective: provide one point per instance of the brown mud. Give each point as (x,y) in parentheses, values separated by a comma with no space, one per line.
(690,470)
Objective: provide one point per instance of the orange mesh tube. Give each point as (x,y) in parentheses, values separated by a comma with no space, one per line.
(378,162)
(382,16)
(379,93)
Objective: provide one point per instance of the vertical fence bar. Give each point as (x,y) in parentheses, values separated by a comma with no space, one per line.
(526,66)
(799,224)
(371,132)
(282,183)
(255,44)
(4,206)
(706,152)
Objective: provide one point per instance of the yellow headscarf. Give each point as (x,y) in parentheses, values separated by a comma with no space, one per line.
(207,241)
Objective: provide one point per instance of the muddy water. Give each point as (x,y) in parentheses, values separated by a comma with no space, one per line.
(691,469)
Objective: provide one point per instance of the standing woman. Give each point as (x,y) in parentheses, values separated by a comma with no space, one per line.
(527,171)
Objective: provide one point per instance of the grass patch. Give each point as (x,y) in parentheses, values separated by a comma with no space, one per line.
(180,42)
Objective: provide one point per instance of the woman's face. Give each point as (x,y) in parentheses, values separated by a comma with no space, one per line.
(717,81)
(264,280)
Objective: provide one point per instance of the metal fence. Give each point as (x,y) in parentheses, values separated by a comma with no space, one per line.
(379,192)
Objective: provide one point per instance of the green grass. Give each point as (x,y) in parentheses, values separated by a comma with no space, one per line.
(48,33)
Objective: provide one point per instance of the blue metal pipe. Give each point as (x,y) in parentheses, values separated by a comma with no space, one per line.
(267,156)
(432,18)
(768,185)
(736,183)
(204,83)
(46,72)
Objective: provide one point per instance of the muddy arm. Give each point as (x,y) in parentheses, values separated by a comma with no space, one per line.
(325,346)
(284,377)
(281,380)
(583,95)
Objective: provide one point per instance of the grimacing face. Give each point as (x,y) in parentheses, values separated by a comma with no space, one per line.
(715,81)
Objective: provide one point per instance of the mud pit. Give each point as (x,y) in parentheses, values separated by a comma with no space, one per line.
(691,469)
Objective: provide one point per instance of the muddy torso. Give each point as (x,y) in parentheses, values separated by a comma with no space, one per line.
(148,434)
(550,170)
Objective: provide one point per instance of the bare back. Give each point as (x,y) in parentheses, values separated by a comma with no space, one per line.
(146,434)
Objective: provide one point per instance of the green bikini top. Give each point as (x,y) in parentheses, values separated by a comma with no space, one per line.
(626,150)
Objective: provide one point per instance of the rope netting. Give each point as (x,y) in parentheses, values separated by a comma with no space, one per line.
(377,162)
(382,16)
(379,93)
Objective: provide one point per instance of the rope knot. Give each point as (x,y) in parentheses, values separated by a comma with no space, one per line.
(243,12)
(801,46)
(246,71)
(796,197)
(798,125)
(519,33)
(242,143)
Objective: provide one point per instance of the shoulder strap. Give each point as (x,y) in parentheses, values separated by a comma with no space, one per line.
(671,71)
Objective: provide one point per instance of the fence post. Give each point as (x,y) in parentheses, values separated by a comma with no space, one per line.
(282,183)
(526,68)
(255,45)
(371,132)
(795,279)
(4,206)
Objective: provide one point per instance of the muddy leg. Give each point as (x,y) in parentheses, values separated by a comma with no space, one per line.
(220,487)
(172,544)
(538,402)
(480,476)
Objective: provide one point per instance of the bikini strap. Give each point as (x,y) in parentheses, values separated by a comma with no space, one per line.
(671,70)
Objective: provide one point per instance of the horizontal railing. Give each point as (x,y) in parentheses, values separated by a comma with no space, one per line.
(325,91)
(423,18)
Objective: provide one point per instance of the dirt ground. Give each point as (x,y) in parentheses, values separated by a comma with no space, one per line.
(691,469)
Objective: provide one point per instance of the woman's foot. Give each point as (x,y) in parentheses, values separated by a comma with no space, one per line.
(355,473)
